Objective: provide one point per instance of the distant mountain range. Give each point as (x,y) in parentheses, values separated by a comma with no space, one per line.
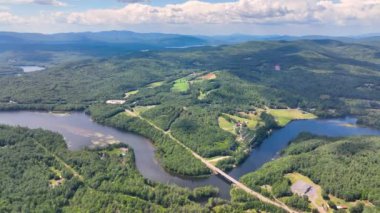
(115,37)
(237,38)
(139,41)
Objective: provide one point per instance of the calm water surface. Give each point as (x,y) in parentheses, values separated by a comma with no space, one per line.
(80,131)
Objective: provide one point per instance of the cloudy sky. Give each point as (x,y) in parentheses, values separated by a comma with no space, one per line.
(261,17)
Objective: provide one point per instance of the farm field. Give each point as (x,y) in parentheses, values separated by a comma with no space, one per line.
(284,116)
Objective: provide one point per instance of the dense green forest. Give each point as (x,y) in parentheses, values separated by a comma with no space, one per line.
(39,174)
(324,77)
(314,76)
(346,168)
(172,156)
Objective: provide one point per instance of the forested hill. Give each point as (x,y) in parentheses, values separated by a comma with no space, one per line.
(39,174)
(346,169)
(110,37)
(326,77)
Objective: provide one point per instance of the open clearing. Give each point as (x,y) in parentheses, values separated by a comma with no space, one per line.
(226,125)
(155,84)
(341,202)
(228,122)
(302,185)
(140,109)
(284,116)
(129,113)
(202,95)
(58,180)
(251,121)
(208,76)
(215,160)
(133,92)
(181,85)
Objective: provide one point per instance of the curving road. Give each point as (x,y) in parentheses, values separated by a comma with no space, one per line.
(216,170)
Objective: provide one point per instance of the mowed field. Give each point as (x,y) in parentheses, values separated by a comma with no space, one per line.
(226,125)
(284,116)
(181,85)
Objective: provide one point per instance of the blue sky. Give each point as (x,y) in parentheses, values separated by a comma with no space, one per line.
(82,5)
(293,17)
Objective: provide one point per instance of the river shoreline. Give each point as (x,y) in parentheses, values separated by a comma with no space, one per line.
(79,129)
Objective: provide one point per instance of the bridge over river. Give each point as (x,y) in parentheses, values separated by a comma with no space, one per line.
(218,171)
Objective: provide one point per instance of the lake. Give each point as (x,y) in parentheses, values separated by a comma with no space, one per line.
(28,69)
(80,131)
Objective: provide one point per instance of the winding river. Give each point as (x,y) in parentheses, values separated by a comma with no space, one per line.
(80,131)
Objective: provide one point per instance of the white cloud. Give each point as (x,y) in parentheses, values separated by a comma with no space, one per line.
(50,2)
(8,18)
(41,2)
(134,1)
(243,11)
(258,14)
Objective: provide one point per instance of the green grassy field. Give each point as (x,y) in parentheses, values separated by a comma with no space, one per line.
(181,85)
(155,84)
(284,116)
(202,95)
(251,122)
(140,109)
(133,92)
(226,125)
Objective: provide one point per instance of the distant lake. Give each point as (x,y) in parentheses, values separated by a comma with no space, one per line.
(27,69)
(80,131)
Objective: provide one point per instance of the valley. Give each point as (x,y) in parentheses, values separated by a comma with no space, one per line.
(226,109)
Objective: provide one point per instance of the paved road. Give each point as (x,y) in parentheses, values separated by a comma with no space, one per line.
(219,171)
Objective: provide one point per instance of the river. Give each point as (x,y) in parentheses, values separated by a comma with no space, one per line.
(80,131)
